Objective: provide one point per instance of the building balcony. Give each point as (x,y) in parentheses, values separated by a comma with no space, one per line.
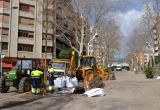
(4,10)
(4,24)
(49,43)
(30,2)
(156,42)
(49,55)
(49,31)
(26,14)
(156,54)
(155,36)
(5,38)
(5,52)
(49,17)
(25,54)
(156,48)
(26,27)
(24,40)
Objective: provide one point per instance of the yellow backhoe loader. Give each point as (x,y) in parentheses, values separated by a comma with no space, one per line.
(88,72)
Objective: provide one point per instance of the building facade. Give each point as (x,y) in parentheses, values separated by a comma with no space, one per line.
(23,30)
(156,32)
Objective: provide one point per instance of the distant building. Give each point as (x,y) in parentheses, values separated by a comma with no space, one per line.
(146,59)
(156,31)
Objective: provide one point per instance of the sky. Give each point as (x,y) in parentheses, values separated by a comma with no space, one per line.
(128,18)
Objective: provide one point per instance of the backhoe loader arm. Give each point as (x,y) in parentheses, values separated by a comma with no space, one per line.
(73,67)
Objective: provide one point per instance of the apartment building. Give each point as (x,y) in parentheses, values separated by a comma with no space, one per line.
(23,35)
(146,59)
(156,31)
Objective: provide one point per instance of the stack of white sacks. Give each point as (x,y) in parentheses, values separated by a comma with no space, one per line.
(66,81)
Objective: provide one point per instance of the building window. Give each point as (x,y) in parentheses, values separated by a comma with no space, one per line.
(26,21)
(49,36)
(49,49)
(25,47)
(4,18)
(27,8)
(24,7)
(4,3)
(27,34)
(5,31)
(4,45)
(47,24)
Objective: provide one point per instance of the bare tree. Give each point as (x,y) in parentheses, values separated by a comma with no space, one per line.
(137,46)
(109,39)
(156,6)
(93,11)
(148,20)
(137,41)
(112,41)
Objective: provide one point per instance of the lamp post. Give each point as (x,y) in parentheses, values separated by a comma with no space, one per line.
(96,35)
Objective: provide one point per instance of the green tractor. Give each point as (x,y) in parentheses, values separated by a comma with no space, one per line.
(21,81)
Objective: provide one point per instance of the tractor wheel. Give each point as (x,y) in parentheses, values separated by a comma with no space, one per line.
(24,85)
(3,87)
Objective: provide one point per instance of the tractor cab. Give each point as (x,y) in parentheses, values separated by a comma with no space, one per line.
(16,78)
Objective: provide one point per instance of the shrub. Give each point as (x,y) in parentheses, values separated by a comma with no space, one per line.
(149,72)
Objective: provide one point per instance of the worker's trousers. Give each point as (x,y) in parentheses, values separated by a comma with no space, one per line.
(51,85)
(36,83)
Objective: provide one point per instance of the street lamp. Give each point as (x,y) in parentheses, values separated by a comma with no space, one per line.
(153,51)
(96,35)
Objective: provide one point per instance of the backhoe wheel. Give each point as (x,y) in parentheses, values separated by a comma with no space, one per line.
(89,75)
(3,87)
(24,85)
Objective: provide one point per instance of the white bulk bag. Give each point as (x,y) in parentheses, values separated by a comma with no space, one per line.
(95,92)
(74,81)
(59,82)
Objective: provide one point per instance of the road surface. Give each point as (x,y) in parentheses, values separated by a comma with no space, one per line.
(129,91)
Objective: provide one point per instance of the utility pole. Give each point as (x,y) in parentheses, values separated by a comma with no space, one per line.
(82,36)
(54,30)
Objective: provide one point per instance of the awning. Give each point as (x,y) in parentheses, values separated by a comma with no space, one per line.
(6,65)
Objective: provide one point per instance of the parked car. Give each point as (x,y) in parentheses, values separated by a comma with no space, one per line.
(118,68)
